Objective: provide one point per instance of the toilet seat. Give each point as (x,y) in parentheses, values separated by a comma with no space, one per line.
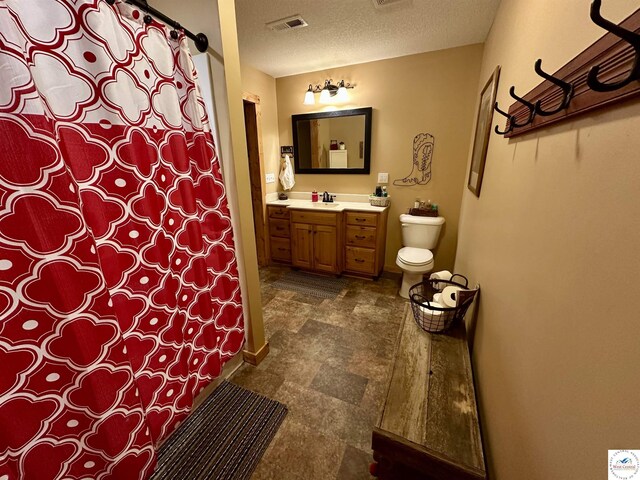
(415,257)
(414,262)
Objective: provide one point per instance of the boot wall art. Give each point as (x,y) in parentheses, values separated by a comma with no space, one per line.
(423,144)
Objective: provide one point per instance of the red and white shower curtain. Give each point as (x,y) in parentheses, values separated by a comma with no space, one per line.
(119,294)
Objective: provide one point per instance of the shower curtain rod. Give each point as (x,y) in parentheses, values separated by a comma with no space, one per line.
(201,40)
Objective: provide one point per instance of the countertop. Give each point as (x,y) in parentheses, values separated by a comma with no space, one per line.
(337,206)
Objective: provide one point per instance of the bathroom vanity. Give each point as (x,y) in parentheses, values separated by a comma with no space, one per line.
(334,238)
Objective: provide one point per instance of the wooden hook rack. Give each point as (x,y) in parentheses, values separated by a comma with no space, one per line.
(613,54)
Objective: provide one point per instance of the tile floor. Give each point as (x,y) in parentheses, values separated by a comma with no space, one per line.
(328,363)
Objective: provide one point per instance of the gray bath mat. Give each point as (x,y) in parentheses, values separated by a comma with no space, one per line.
(223,439)
(310,284)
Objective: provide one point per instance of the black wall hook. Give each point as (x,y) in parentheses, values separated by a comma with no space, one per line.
(509,120)
(529,105)
(567,89)
(627,35)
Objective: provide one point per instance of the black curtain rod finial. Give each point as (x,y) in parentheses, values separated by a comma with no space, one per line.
(202,42)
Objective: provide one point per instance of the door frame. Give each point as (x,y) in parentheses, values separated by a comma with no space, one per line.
(256,167)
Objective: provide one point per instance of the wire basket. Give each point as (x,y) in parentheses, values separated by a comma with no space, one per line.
(434,319)
(379,201)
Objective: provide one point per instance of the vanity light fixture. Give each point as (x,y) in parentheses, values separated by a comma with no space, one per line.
(327,92)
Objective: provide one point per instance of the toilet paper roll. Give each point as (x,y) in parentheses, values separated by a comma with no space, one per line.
(441,275)
(449,296)
(437,298)
(428,308)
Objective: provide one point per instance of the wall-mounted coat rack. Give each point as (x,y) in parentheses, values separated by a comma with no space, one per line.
(605,73)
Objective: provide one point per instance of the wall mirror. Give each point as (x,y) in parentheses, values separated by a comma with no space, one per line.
(333,142)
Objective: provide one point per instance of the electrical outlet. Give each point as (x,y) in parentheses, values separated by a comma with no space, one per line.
(271,177)
(383,178)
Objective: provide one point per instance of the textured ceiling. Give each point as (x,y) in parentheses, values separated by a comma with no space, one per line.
(345,32)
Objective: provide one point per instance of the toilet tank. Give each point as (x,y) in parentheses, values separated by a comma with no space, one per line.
(420,232)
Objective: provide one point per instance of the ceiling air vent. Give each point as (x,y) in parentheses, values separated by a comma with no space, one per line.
(295,21)
(386,3)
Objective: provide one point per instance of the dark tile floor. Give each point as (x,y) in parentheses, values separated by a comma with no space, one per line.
(328,363)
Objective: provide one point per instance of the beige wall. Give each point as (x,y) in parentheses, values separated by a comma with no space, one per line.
(553,241)
(264,86)
(431,92)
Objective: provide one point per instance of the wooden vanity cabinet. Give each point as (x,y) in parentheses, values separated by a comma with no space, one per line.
(279,234)
(315,240)
(365,238)
(329,242)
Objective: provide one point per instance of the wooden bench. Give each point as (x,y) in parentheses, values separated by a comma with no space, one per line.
(429,426)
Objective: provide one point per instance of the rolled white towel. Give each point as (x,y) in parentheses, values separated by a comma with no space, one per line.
(438,298)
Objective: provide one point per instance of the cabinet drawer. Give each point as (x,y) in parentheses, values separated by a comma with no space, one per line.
(278,212)
(358,218)
(316,218)
(361,236)
(279,228)
(360,260)
(280,249)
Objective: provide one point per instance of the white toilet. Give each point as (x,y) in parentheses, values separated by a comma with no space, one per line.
(419,235)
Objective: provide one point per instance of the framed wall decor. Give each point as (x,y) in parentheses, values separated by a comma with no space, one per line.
(483,130)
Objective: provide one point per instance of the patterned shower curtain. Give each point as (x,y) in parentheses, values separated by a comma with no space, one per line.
(119,294)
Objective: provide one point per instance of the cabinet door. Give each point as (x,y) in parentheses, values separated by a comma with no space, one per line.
(301,245)
(325,254)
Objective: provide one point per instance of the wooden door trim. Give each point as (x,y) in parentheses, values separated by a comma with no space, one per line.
(255,99)
(250,97)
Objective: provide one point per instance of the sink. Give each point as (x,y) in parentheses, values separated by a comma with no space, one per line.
(325,205)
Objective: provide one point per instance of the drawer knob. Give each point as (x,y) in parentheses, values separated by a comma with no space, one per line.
(360,237)
(279,228)
(359,260)
(361,219)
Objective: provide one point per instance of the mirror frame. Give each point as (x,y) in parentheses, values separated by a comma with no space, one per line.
(366,111)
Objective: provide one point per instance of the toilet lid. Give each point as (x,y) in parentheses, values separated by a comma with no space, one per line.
(415,256)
